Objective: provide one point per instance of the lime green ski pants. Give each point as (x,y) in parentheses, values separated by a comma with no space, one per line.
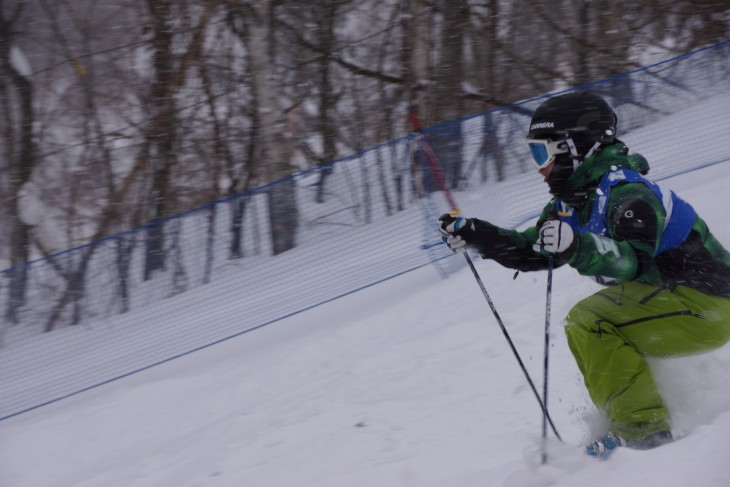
(613,331)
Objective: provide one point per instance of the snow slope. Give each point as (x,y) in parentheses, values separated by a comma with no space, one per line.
(407,383)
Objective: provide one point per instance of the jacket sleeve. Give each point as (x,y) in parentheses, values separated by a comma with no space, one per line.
(511,248)
(635,219)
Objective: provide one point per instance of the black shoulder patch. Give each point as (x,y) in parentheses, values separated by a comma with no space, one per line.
(634,219)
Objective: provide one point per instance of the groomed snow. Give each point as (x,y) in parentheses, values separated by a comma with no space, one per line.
(407,383)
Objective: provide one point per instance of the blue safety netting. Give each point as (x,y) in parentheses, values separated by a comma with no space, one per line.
(92,314)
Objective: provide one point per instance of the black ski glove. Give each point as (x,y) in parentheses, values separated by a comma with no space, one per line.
(456,231)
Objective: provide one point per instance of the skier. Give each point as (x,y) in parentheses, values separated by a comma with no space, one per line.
(668,292)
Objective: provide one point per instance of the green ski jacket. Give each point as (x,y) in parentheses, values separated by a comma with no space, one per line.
(635,221)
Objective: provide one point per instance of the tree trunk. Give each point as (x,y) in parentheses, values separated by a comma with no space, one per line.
(238,210)
(326,126)
(125,246)
(210,243)
(447,93)
(20,152)
(161,136)
(272,149)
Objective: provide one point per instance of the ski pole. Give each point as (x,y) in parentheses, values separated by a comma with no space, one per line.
(546,415)
(435,167)
(546,354)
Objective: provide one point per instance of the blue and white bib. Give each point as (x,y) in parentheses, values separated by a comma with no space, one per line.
(680,215)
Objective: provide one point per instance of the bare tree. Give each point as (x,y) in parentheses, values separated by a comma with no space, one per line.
(134,111)
(161,137)
(446,95)
(272,150)
(17,97)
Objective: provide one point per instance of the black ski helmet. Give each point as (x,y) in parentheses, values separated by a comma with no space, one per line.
(584,117)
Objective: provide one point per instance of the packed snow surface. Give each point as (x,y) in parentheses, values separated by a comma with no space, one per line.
(407,383)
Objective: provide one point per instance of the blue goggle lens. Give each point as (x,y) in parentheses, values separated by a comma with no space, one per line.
(539,154)
(544,151)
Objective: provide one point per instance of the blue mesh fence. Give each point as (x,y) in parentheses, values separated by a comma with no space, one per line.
(92,315)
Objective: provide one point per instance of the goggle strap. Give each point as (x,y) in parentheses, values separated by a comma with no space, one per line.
(573,152)
(593,149)
(577,158)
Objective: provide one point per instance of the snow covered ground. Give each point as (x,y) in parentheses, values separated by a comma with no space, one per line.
(407,383)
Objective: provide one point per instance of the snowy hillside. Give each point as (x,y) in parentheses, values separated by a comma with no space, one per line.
(408,383)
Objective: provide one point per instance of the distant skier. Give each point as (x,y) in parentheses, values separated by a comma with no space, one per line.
(671,294)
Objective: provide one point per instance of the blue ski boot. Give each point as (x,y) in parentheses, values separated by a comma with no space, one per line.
(604,446)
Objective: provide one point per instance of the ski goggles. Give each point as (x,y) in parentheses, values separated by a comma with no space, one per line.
(544,151)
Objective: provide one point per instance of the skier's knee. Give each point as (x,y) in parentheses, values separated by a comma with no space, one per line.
(581,318)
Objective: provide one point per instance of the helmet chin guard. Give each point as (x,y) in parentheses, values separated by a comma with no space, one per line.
(560,183)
